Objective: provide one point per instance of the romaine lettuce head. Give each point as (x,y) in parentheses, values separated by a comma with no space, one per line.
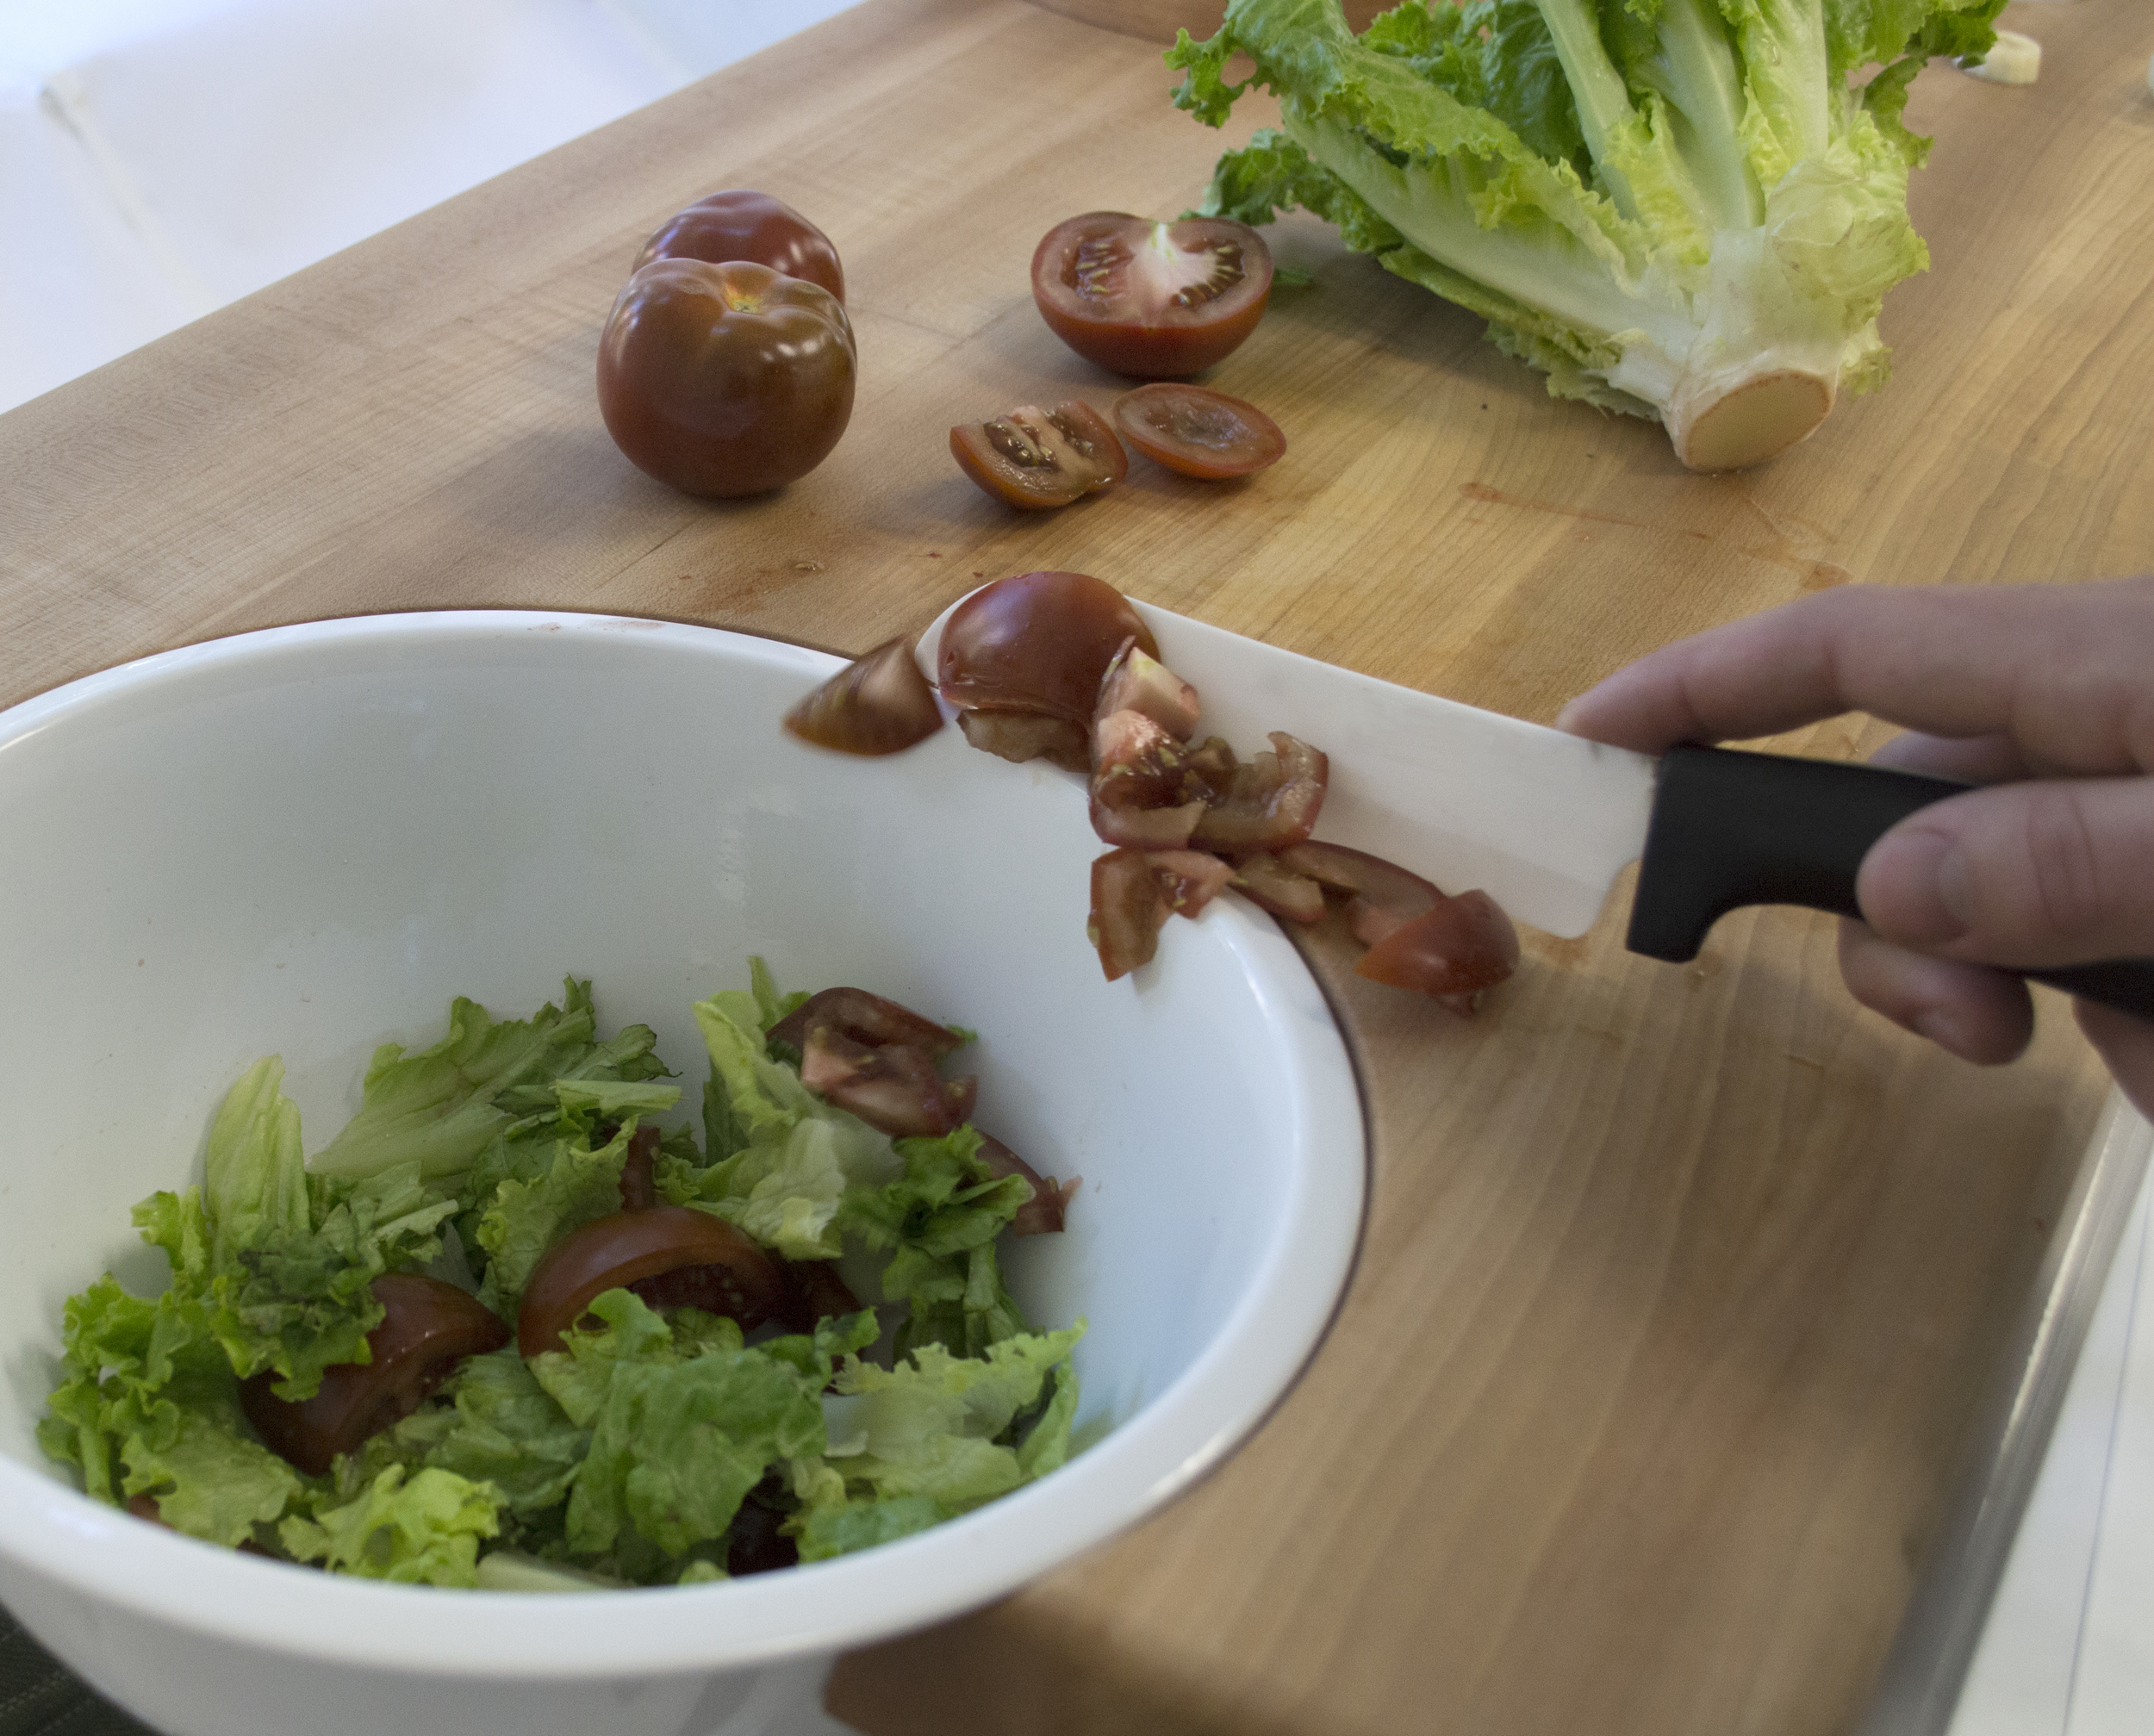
(1679,208)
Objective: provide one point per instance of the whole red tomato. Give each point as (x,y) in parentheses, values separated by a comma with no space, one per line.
(742,225)
(725,379)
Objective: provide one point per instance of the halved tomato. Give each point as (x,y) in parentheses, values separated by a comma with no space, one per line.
(1038,459)
(1153,300)
(1198,432)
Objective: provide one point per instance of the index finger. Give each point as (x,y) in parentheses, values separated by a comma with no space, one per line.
(2059,670)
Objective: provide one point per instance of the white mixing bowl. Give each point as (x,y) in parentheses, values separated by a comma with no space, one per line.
(306,841)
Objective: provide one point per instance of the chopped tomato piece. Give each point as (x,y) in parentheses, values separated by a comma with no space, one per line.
(1260,877)
(1128,908)
(1190,878)
(1137,681)
(1043,1214)
(877,704)
(1273,801)
(865,1017)
(1454,951)
(627,1249)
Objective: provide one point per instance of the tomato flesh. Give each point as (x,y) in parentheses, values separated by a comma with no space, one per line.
(1198,432)
(1152,301)
(622,1250)
(725,380)
(1038,459)
(738,224)
(429,1326)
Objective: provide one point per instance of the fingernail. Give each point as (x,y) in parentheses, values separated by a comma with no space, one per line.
(1919,881)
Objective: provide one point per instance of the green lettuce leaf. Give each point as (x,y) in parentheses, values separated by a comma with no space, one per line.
(424,1529)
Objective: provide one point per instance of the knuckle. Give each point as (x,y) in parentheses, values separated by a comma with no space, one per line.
(2064,863)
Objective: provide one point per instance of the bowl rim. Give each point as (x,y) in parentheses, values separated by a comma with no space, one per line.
(101,1553)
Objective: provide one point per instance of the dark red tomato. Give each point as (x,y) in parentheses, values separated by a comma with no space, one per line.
(1273,801)
(1043,1214)
(865,1017)
(1021,736)
(430,1327)
(1153,300)
(1039,459)
(742,225)
(1128,908)
(1200,433)
(877,704)
(1453,951)
(1039,642)
(725,380)
(732,1275)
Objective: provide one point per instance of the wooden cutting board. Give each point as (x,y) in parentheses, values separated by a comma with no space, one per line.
(1682,1287)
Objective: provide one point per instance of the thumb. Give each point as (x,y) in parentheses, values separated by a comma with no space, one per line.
(2025,875)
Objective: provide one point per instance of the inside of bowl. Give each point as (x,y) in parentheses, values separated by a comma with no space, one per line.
(305,842)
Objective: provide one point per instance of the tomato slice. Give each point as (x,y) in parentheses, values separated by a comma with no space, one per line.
(1038,459)
(1454,951)
(624,1250)
(429,1327)
(1039,642)
(1197,431)
(1152,301)
(877,704)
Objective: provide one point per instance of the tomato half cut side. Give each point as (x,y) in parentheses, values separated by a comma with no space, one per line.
(1152,301)
(622,1250)
(1038,459)
(429,1326)
(1200,433)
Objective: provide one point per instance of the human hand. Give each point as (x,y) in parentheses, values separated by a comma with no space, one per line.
(2044,694)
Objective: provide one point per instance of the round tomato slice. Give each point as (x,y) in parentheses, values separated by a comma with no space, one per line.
(428,1327)
(703,1260)
(1038,459)
(1153,300)
(1200,433)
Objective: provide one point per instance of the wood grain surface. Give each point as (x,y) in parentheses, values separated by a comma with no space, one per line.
(1680,1287)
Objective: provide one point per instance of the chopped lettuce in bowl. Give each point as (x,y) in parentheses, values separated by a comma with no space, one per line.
(656,1442)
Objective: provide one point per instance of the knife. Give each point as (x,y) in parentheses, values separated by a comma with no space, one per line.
(1544,822)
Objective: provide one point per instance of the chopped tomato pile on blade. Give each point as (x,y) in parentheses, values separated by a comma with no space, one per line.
(1058,666)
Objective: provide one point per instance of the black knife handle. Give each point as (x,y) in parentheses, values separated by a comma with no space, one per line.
(1730,829)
